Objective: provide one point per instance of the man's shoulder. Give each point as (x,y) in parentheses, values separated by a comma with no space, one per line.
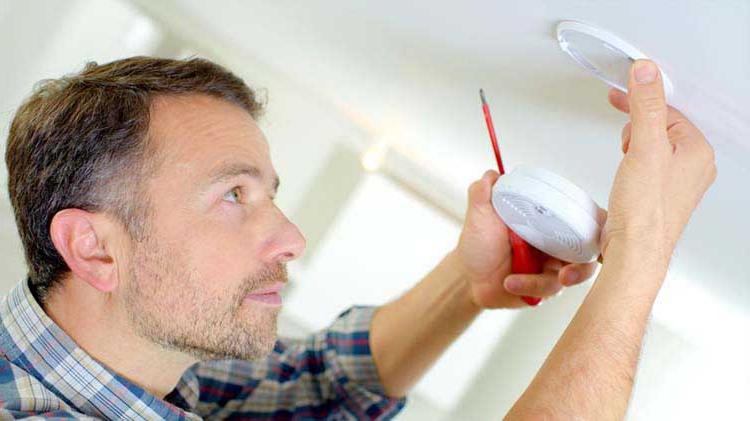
(22,396)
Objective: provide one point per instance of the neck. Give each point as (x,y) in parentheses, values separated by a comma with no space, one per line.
(98,323)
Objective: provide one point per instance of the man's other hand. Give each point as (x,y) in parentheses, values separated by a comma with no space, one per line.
(667,167)
(484,256)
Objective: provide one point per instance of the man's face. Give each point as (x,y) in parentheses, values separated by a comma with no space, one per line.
(215,240)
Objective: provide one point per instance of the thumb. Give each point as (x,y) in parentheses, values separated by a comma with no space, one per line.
(480,191)
(648,107)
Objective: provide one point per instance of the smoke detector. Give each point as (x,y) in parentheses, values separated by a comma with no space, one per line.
(550,213)
(602,53)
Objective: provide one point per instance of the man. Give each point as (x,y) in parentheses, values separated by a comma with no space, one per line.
(143,193)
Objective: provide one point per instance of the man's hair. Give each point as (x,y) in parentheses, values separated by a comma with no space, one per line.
(81,141)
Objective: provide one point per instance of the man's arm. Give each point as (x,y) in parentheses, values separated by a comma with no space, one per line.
(590,372)
(409,334)
(668,166)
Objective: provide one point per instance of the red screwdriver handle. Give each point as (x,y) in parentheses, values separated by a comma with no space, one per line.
(525,259)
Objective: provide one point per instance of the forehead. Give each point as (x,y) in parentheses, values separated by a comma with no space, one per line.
(194,133)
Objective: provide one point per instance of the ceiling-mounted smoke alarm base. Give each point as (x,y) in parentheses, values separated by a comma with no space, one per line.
(602,53)
(550,213)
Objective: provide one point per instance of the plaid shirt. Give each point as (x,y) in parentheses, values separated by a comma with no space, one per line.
(44,374)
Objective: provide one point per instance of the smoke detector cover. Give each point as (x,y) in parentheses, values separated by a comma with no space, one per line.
(602,53)
(550,213)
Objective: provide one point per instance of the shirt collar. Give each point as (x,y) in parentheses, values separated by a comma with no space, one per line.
(33,341)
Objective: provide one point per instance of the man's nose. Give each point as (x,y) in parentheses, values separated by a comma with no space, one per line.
(289,243)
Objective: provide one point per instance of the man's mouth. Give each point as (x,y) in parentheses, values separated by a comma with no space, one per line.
(269,296)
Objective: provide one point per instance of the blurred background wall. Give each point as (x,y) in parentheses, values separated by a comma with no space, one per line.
(376,131)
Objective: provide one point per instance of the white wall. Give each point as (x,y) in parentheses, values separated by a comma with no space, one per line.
(46,39)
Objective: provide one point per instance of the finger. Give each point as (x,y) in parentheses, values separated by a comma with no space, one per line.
(553,264)
(675,119)
(674,116)
(537,285)
(619,100)
(480,191)
(575,273)
(681,131)
(491,176)
(626,133)
(601,216)
(648,107)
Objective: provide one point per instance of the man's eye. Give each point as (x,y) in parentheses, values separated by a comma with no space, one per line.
(233,195)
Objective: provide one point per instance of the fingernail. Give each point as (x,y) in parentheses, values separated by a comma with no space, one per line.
(572,276)
(645,71)
(513,284)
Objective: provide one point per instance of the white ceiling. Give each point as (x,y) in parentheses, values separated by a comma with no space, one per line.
(389,59)
(408,73)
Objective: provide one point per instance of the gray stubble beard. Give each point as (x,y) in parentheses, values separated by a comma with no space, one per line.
(209,330)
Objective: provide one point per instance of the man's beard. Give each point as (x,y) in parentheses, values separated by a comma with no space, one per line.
(165,306)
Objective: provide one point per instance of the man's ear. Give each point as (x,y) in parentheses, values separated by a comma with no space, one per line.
(80,238)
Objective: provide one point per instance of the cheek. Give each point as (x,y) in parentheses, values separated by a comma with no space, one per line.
(222,250)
